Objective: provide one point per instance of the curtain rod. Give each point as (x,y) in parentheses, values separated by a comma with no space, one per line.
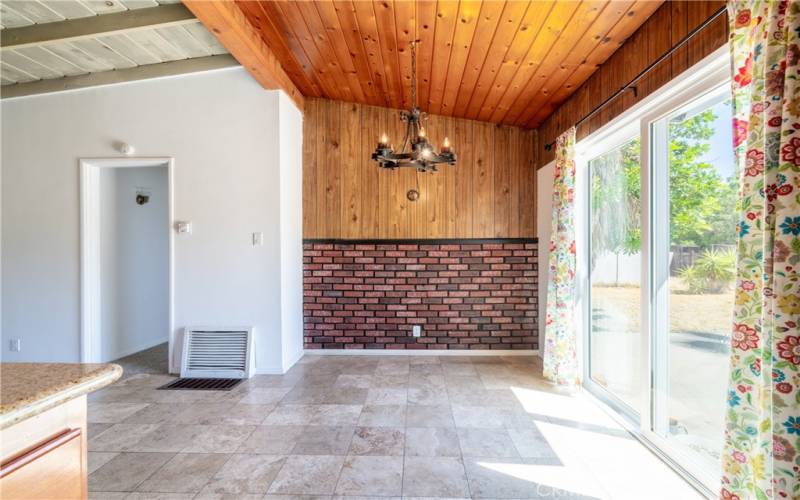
(632,84)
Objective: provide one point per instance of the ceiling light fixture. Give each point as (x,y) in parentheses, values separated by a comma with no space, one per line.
(417,152)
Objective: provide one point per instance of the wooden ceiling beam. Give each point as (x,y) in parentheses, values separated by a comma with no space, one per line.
(145,72)
(162,16)
(301,75)
(229,24)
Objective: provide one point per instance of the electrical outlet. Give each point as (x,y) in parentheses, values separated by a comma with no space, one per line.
(15,345)
(416,330)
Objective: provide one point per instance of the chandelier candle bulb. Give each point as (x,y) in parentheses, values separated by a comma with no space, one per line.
(446,145)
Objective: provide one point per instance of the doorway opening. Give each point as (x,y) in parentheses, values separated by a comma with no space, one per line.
(126,262)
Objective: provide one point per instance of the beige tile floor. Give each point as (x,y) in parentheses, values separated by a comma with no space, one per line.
(368,426)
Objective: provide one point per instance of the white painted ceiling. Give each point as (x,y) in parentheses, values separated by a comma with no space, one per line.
(19,13)
(58,59)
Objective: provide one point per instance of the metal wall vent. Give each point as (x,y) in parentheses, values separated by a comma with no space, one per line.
(202,384)
(218,353)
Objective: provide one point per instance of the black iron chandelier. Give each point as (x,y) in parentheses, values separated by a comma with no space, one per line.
(417,152)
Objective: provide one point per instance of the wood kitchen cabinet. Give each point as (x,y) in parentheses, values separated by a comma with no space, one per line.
(44,457)
(43,440)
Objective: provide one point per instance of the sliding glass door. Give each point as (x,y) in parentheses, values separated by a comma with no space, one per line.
(694,219)
(615,263)
(659,260)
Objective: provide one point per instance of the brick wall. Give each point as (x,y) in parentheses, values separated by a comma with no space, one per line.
(466,294)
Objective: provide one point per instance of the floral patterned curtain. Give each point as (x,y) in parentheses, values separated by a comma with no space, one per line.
(560,360)
(762,435)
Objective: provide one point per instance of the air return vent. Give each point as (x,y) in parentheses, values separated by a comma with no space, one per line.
(218,353)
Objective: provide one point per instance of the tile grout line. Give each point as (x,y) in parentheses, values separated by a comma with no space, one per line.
(460,448)
(405,440)
(230,457)
(341,469)
(492,374)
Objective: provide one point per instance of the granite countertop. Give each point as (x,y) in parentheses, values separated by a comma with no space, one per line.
(27,389)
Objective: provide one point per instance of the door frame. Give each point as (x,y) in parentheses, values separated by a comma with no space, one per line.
(90,169)
(702,78)
(714,81)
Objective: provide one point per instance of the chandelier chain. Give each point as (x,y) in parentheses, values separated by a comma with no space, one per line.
(414,73)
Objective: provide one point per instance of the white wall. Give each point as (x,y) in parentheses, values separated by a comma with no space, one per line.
(544,217)
(291,181)
(222,129)
(134,269)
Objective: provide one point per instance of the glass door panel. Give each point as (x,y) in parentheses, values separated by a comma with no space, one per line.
(695,193)
(615,340)
(657,268)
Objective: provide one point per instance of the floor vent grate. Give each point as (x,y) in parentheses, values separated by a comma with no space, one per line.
(202,384)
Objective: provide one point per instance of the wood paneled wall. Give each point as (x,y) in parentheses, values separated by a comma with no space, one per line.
(671,22)
(490,193)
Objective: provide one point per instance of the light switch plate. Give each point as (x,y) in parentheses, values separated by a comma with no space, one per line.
(258,239)
(15,345)
(183,227)
(416,330)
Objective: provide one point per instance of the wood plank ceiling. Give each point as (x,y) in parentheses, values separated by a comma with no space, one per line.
(510,62)
(81,55)
(19,13)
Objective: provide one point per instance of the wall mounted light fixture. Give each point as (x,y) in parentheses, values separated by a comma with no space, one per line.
(124,148)
(142,196)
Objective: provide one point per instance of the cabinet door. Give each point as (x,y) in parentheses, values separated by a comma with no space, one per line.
(51,470)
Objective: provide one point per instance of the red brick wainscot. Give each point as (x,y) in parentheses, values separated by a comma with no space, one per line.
(465,294)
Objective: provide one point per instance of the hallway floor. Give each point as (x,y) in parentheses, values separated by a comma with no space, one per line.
(367,426)
(152,361)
